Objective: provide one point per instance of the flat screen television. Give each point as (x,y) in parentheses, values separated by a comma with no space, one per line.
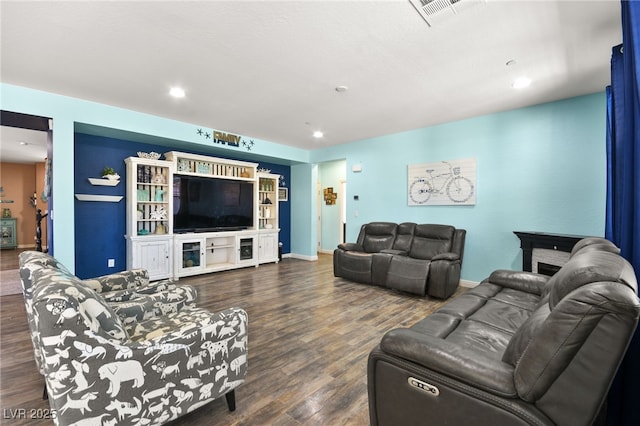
(209,204)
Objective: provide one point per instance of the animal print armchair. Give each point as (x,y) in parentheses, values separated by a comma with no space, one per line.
(99,368)
(129,293)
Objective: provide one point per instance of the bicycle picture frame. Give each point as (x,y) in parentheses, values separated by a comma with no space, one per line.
(450,182)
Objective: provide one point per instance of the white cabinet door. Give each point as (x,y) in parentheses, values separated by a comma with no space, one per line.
(268,247)
(154,256)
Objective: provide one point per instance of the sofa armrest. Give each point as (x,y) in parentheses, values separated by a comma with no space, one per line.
(118,281)
(145,306)
(528,282)
(133,293)
(156,286)
(446,256)
(444,275)
(350,247)
(450,359)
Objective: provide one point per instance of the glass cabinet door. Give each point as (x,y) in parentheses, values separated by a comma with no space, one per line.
(191,254)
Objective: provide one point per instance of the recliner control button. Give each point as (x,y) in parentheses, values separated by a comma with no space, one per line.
(424,386)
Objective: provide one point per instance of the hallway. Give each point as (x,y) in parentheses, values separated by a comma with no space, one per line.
(9,276)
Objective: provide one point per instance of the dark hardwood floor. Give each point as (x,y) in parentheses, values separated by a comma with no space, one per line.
(309,338)
(9,259)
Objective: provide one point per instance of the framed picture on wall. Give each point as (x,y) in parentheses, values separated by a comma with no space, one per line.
(442,183)
(283,194)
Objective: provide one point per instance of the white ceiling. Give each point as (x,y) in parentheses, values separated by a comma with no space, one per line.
(22,145)
(268,69)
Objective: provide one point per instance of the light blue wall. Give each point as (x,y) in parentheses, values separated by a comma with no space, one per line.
(541,168)
(304,227)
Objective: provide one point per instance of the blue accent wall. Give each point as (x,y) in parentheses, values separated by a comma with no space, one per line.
(100,226)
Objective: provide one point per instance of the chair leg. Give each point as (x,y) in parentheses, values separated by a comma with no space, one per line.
(45,395)
(231,400)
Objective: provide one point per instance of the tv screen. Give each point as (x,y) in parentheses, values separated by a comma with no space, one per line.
(209,204)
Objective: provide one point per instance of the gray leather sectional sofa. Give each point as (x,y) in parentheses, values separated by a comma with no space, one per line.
(419,259)
(518,349)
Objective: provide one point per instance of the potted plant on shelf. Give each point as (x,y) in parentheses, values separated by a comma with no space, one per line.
(110,173)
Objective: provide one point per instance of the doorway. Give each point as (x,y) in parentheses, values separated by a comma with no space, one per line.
(331,202)
(26,156)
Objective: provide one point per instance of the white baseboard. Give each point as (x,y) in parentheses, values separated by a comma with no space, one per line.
(325,251)
(469,284)
(301,256)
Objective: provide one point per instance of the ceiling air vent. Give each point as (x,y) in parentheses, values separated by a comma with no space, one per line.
(436,11)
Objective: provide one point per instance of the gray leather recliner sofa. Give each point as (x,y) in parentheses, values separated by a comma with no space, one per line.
(519,349)
(419,259)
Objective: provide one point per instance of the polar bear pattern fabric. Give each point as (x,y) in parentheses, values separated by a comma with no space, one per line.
(129,293)
(102,370)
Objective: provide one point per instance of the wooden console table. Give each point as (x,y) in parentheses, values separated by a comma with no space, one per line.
(543,240)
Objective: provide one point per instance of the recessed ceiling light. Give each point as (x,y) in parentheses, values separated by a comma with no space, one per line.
(318,134)
(521,83)
(341,89)
(177,92)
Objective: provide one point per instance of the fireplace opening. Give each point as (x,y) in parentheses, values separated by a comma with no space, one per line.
(547,269)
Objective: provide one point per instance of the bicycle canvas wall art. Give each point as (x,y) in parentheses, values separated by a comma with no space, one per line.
(442,183)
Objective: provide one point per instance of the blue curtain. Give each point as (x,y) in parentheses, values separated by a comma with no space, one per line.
(623,194)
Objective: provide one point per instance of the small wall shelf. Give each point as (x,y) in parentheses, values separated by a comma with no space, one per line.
(103,182)
(105,198)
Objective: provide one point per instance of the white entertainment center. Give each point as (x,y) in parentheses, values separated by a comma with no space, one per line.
(154,244)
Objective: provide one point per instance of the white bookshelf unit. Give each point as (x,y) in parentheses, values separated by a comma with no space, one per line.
(149,216)
(152,242)
(268,217)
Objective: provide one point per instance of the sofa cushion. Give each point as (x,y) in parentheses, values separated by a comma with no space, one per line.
(589,267)
(523,335)
(501,316)
(187,320)
(66,296)
(404,237)
(355,265)
(379,236)
(407,274)
(429,240)
(480,338)
(596,243)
